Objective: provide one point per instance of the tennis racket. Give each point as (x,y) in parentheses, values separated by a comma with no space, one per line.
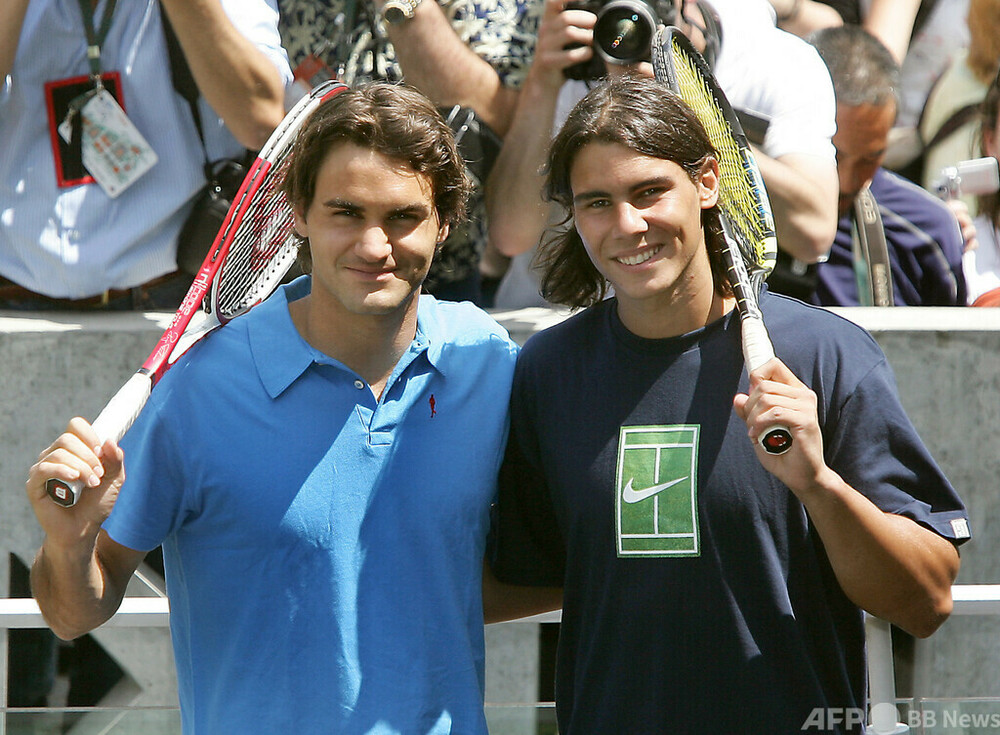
(250,255)
(745,212)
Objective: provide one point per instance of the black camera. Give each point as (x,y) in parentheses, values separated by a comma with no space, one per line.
(622,33)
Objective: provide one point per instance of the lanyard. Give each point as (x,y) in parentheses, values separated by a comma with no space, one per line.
(94,40)
(95,37)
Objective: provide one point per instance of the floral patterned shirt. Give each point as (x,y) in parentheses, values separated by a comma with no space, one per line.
(350,38)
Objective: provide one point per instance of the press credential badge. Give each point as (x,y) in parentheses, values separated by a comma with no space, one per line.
(114,151)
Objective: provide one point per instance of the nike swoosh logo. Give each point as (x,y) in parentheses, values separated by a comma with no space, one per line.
(637,496)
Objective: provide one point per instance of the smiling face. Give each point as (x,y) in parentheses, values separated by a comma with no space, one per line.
(372,230)
(640,220)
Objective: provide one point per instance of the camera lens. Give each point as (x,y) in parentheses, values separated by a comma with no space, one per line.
(623,31)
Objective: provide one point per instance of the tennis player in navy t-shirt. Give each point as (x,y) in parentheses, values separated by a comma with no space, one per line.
(708,587)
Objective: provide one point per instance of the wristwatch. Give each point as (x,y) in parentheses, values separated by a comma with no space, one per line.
(399,11)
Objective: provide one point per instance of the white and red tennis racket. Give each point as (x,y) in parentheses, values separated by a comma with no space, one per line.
(251,254)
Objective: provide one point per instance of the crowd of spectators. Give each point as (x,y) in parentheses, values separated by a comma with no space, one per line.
(68,244)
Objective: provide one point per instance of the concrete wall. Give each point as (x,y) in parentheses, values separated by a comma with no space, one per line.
(947,362)
(947,365)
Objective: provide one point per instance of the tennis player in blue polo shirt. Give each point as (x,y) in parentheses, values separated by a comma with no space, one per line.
(320,471)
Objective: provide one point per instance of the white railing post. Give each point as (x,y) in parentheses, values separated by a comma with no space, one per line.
(884,719)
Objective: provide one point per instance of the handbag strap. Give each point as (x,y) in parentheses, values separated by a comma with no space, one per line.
(871,253)
(956,120)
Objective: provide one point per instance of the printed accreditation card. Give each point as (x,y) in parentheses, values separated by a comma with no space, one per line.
(112,149)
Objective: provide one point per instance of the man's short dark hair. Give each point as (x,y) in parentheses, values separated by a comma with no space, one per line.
(643,116)
(863,70)
(391,119)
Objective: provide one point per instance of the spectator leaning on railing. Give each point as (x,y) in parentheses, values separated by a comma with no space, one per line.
(896,244)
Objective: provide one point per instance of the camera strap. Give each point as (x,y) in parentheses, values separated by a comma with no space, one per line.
(183,79)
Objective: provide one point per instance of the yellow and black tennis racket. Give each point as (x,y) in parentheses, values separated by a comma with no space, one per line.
(743,205)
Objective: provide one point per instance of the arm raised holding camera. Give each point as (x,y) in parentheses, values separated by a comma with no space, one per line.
(803,193)
(442,66)
(240,83)
(517,213)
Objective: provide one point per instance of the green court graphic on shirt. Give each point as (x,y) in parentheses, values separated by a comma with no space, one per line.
(656,504)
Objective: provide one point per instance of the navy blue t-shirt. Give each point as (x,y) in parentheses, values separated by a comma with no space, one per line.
(697,595)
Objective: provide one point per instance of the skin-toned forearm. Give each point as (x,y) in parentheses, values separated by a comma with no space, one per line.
(80,574)
(891,22)
(806,16)
(73,589)
(238,81)
(516,212)
(886,564)
(803,194)
(502,601)
(11,20)
(438,63)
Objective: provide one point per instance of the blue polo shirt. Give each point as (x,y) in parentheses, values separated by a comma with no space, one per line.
(323,550)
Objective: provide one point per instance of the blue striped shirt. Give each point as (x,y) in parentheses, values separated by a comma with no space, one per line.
(75,242)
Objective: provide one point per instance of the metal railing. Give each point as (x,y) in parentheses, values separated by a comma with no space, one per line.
(969,600)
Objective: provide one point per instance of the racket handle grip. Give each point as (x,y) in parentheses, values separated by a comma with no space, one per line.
(757,350)
(63,493)
(776,440)
(757,347)
(112,423)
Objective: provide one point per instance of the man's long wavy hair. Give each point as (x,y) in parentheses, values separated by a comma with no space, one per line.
(643,116)
(393,120)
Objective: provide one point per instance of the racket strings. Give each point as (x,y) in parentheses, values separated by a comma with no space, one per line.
(261,249)
(740,182)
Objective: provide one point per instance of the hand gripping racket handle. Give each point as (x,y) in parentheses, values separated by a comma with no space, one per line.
(757,350)
(112,423)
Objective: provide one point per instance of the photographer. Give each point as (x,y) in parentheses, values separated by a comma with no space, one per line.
(773,75)
(516,214)
(97,228)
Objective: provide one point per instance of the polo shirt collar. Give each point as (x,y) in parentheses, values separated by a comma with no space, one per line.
(281,355)
(430,335)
